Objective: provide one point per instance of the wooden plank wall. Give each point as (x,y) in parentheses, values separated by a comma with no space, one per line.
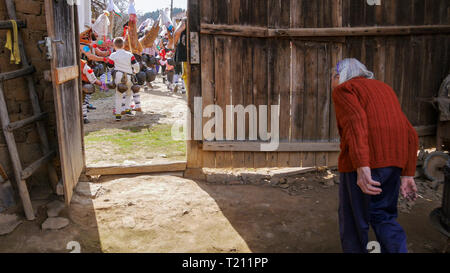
(295,73)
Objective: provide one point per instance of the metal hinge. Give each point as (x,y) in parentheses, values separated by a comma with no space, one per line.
(47,42)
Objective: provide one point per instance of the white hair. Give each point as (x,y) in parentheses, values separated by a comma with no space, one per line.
(348,69)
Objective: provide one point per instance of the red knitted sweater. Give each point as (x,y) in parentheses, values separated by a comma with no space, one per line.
(374,131)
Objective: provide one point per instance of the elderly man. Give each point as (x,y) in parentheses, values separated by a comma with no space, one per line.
(378,159)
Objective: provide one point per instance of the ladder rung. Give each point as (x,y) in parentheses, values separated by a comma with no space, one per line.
(17,74)
(21,123)
(5,24)
(26,173)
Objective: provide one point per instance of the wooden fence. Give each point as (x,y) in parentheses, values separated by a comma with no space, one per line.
(280,52)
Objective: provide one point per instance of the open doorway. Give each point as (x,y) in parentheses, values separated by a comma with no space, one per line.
(142,135)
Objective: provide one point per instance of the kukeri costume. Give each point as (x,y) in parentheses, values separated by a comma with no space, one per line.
(89,80)
(125,66)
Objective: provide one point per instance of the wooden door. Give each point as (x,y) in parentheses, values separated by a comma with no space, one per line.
(244,62)
(62,29)
(281,52)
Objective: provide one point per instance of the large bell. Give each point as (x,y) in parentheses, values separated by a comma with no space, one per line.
(136,88)
(122,88)
(88,89)
(142,65)
(153,60)
(170,75)
(111,85)
(145,58)
(141,77)
(151,75)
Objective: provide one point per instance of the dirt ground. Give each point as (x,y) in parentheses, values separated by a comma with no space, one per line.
(167,213)
(160,106)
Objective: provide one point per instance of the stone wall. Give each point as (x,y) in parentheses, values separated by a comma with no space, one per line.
(16,91)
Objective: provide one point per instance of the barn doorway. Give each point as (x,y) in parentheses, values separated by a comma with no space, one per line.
(143,136)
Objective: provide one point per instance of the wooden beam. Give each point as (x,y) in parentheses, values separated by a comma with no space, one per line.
(261,32)
(241,146)
(65,74)
(233,146)
(19,124)
(234,30)
(143,169)
(423,131)
(17,73)
(8,25)
(26,173)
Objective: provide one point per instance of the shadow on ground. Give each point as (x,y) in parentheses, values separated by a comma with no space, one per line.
(167,213)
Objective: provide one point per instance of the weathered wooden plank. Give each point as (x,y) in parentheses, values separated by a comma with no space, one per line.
(336,15)
(65,74)
(357,13)
(280,94)
(260,88)
(237,94)
(247,90)
(8,24)
(259,11)
(297,16)
(17,73)
(298,92)
(208,92)
(360,31)
(222,93)
(323,101)
(234,7)
(221,12)
(194,152)
(311,81)
(248,146)
(262,32)
(207,11)
(418,7)
(379,59)
(145,169)
(310,11)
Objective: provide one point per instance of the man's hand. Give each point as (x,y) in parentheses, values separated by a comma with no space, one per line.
(408,188)
(365,182)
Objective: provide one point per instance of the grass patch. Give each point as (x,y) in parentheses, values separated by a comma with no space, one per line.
(139,141)
(98,95)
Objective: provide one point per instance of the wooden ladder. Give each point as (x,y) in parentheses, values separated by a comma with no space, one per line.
(38,116)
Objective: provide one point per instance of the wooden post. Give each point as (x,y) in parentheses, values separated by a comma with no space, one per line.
(194,159)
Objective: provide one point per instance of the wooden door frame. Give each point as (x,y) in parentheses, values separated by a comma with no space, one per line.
(176,166)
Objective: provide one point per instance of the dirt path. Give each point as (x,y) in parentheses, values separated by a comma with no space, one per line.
(160,106)
(173,214)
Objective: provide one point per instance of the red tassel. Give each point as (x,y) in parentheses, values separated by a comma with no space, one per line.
(125,29)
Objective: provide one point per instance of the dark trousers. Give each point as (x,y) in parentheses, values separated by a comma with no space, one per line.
(357,211)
